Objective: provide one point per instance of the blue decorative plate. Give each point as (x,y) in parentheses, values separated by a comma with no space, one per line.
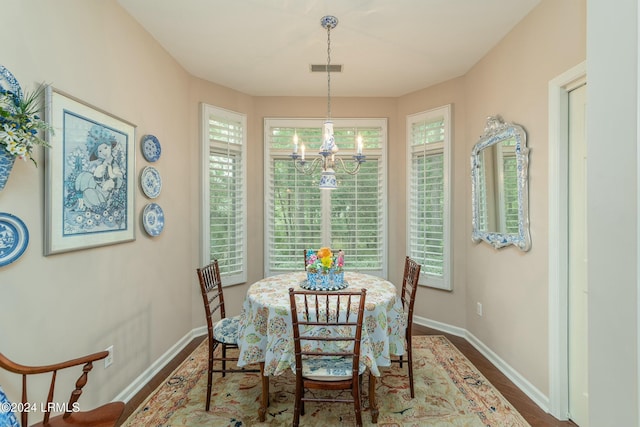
(310,287)
(151,182)
(9,82)
(153,219)
(7,417)
(151,149)
(14,238)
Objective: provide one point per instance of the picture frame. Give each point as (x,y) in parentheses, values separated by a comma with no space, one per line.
(90,176)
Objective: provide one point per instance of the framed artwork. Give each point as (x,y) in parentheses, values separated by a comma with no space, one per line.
(90,179)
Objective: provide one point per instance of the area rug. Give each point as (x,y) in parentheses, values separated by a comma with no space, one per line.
(449,391)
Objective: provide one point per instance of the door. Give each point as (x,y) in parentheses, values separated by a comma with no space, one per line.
(577,259)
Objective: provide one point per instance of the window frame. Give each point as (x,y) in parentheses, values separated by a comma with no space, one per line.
(205,231)
(426,279)
(381,155)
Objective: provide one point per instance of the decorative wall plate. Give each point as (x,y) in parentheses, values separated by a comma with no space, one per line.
(153,219)
(151,182)
(151,149)
(9,82)
(14,238)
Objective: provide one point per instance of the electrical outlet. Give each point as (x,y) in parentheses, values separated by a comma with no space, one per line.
(109,359)
(479,308)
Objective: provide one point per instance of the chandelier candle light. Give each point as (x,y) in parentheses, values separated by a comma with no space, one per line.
(328,159)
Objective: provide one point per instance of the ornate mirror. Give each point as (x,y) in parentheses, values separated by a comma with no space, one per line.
(499,186)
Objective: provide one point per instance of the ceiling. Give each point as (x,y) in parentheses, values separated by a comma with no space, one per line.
(387,48)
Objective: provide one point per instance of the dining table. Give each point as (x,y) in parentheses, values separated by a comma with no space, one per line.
(265,333)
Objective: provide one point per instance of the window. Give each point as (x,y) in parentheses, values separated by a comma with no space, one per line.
(428,233)
(301,216)
(224,216)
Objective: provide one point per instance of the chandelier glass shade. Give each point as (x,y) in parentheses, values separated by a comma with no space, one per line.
(327,159)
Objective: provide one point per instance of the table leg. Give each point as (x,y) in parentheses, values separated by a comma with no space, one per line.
(373,404)
(264,398)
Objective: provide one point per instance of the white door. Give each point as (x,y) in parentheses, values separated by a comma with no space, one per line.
(577,259)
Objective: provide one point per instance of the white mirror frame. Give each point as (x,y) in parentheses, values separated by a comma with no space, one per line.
(496,130)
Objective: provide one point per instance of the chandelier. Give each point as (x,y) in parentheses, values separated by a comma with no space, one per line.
(327,159)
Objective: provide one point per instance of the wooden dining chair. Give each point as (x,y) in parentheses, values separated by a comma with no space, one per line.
(327,331)
(410,280)
(104,416)
(224,332)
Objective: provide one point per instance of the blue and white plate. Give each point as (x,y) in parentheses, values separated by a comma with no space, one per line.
(9,82)
(14,238)
(153,219)
(151,149)
(151,182)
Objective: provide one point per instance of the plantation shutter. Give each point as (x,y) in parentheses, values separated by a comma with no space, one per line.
(428,199)
(427,213)
(227,195)
(296,207)
(356,206)
(301,216)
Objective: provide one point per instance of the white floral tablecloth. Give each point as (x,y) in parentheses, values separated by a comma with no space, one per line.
(266,334)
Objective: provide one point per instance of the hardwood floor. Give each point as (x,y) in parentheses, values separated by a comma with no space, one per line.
(529,410)
(162,375)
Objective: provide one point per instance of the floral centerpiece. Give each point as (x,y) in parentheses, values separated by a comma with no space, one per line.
(20,126)
(325,269)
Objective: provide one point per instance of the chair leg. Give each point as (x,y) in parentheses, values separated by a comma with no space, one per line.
(224,361)
(355,392)
(410,363)
(298,405)
(209,378)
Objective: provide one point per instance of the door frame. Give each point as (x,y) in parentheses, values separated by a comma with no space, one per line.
(558,192)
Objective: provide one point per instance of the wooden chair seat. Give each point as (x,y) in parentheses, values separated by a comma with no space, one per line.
(103,416)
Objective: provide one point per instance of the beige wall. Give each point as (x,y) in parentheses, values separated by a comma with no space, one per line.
(512,80)
(202,92)
(135,296)
(442,306)
(142,296)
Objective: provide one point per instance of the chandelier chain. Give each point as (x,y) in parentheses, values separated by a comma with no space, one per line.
(329,72)
(328,159)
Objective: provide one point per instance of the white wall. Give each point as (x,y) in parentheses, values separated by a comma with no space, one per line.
(612,211)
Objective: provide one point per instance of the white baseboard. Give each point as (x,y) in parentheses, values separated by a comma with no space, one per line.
(521,382)
(453,330)
(145,377)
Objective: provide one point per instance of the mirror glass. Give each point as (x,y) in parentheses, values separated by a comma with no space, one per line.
(499,186)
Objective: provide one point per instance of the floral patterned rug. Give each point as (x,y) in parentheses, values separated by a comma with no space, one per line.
(449,391)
